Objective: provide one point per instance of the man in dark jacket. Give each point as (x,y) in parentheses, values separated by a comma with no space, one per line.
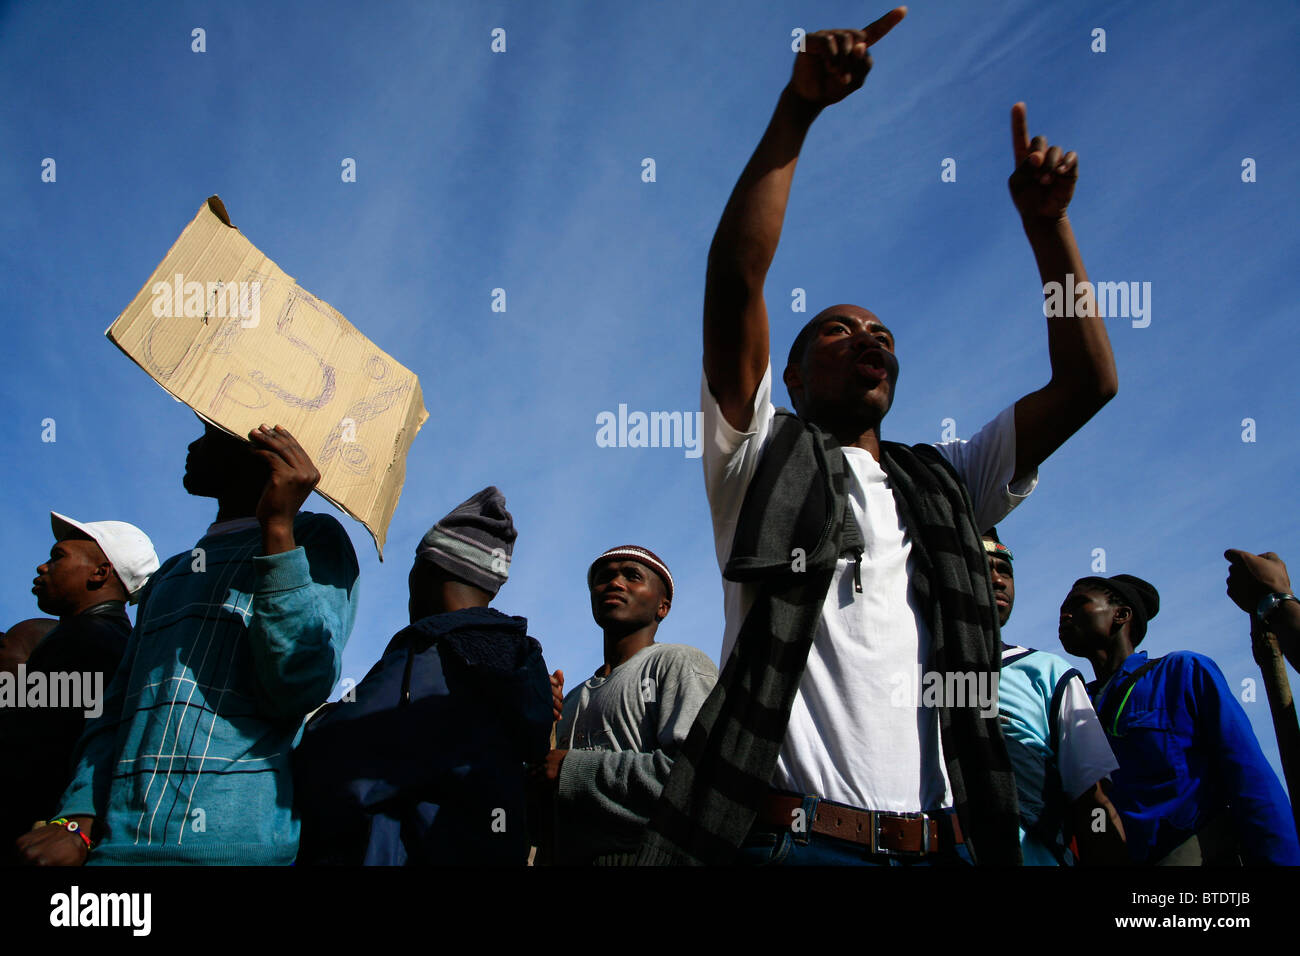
(426,764)
(93,570)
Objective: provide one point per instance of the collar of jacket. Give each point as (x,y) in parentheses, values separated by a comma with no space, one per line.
(1097,690)
(482,638)
(108,608)
(436,625)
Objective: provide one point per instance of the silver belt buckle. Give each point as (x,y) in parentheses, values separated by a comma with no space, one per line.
(885,851)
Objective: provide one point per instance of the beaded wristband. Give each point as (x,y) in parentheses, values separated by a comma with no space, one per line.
(72,827)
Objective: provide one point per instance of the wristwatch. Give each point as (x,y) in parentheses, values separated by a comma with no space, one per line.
(1270,604)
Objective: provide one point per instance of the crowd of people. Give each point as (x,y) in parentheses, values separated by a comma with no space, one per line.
(865,708)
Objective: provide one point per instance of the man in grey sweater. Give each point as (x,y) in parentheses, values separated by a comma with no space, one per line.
(621,729)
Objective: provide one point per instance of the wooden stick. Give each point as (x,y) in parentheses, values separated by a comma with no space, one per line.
(1268,655)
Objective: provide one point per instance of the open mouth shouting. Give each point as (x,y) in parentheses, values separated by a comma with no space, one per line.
(875,364)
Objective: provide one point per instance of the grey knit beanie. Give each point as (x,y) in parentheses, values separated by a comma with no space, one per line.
(474,542)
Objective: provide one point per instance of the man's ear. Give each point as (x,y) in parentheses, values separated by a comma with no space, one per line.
(662,610)
(794,384)
(1123,615)
(102,574)
(791,377)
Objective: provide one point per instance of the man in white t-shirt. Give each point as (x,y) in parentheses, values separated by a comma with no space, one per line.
(871,760)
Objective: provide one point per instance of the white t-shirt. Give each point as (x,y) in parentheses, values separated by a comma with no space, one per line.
(845,740)
(1032,682)
(1085,756)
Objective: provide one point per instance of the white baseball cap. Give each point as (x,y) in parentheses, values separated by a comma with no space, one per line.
(125,545)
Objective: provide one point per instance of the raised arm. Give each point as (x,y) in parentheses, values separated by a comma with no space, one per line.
(1083,368)
(1253,577)
(305,591)
(835,64)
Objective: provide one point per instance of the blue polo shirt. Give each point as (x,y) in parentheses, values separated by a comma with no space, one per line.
(1187,754)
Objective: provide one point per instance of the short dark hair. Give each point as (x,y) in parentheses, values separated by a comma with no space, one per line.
(800,344)
(1137,626)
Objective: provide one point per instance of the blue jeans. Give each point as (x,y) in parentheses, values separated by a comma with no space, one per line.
(772,848)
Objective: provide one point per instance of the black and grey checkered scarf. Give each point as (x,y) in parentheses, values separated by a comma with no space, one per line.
(794,526)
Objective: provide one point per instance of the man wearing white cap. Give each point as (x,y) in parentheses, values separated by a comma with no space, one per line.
(126,559)
(93,570)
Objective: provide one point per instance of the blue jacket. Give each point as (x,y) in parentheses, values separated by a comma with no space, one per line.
(1187,754)
(190,761)
(426,765)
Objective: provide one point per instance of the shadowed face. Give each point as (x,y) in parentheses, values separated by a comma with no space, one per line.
(1004,586)
(218,463)
(1088,619)
(64,582)
(847,372)
(627,594)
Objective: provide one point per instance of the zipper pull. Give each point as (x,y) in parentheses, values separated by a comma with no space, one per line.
(857,571)
(406,676)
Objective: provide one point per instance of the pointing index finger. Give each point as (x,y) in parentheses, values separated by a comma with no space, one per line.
(1020,132)
(875,31)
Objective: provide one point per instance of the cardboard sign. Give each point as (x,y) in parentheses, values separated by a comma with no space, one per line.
(225,330)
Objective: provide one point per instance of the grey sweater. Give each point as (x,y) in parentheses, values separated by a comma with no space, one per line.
(622,733)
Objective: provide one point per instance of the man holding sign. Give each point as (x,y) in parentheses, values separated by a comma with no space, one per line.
(852,564)
(235,642)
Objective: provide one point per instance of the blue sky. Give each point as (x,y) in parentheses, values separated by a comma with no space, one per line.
(522,170)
